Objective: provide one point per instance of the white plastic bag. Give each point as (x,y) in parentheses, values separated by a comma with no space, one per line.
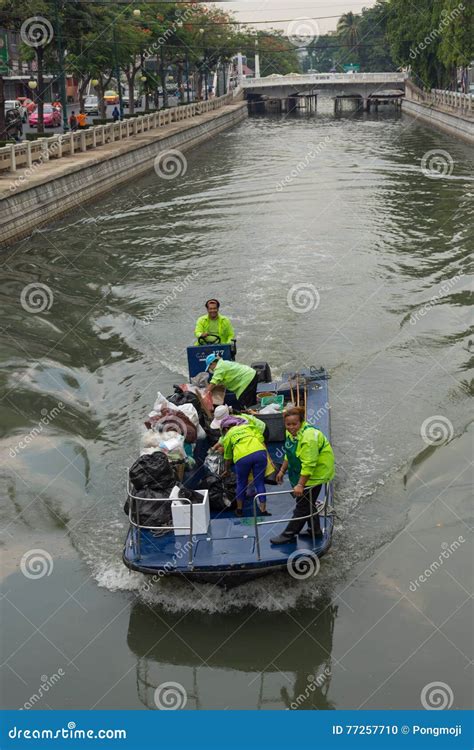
(161,402)
(190,412)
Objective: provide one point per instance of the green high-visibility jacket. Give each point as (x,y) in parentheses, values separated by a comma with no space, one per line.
(221,327)
(309,453)
(234,376)
(241,441)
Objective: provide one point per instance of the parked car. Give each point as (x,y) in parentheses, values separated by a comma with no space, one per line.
(15,105)
(91,105)
(51,117)
(126,100)
(27,103)
(111,97)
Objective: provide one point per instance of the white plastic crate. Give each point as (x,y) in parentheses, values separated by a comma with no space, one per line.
(180,513)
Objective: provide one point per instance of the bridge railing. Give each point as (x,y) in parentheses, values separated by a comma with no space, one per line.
(452,101)
(308,78)
(31,155)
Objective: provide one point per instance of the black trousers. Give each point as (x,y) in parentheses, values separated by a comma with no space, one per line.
(302,509)
(249,396)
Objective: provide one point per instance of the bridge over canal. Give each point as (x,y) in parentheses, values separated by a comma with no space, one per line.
(365,88)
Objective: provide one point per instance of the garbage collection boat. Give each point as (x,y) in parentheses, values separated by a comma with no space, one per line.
(214,546)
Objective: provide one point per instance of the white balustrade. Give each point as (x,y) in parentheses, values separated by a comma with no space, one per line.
(26,153)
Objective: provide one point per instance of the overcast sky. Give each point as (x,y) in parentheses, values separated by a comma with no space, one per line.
(277,10)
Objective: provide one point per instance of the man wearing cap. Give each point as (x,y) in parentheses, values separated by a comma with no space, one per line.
(240,379)
(213,325)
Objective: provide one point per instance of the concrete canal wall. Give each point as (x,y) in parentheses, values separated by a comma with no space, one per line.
(449,111)
(446,121)
(59,185)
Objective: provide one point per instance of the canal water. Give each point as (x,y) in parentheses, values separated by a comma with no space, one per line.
(341,242)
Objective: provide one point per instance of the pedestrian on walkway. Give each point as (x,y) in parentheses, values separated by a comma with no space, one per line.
(73,121)
(82,120)
(116,114)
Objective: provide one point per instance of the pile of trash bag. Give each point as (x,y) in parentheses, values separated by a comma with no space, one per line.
(152,478)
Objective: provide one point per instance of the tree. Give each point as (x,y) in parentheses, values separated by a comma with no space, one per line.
(348,29)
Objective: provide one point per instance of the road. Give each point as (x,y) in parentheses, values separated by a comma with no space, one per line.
(172,100)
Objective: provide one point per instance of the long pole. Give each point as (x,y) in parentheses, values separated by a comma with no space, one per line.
(62,76)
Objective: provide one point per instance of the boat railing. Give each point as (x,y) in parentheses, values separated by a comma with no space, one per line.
(321,507)
(134,502)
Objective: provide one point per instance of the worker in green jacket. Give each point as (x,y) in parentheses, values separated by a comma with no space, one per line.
(240,379)
(309,460)
(213,328)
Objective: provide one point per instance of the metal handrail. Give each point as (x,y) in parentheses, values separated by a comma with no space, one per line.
(139,526)
(319,507)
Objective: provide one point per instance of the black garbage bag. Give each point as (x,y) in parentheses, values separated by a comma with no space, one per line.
(153,472)
(217,498)
(230,487)
(192,495)
(151,512)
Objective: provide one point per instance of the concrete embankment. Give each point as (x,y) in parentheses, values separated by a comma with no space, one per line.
(60,185)
(451,123)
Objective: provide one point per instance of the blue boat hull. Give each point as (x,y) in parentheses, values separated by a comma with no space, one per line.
(233,550)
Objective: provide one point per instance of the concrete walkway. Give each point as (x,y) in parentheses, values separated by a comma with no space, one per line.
(41,173)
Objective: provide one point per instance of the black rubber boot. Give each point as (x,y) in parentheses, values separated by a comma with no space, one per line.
(283,539)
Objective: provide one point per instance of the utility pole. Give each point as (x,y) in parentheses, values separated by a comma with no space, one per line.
(117,70)
(62,75)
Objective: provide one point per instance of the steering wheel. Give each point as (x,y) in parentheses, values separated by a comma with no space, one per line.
(210,339)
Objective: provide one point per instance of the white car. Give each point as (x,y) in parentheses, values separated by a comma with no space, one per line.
(14,104)
(91,105)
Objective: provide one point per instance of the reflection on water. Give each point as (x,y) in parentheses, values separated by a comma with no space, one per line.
(250,659)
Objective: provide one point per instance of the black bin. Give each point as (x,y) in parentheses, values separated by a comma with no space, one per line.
(276,427)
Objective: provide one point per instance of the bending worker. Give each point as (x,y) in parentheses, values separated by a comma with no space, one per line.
(213,326)
(240,379)
(244,448)
(309,460)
